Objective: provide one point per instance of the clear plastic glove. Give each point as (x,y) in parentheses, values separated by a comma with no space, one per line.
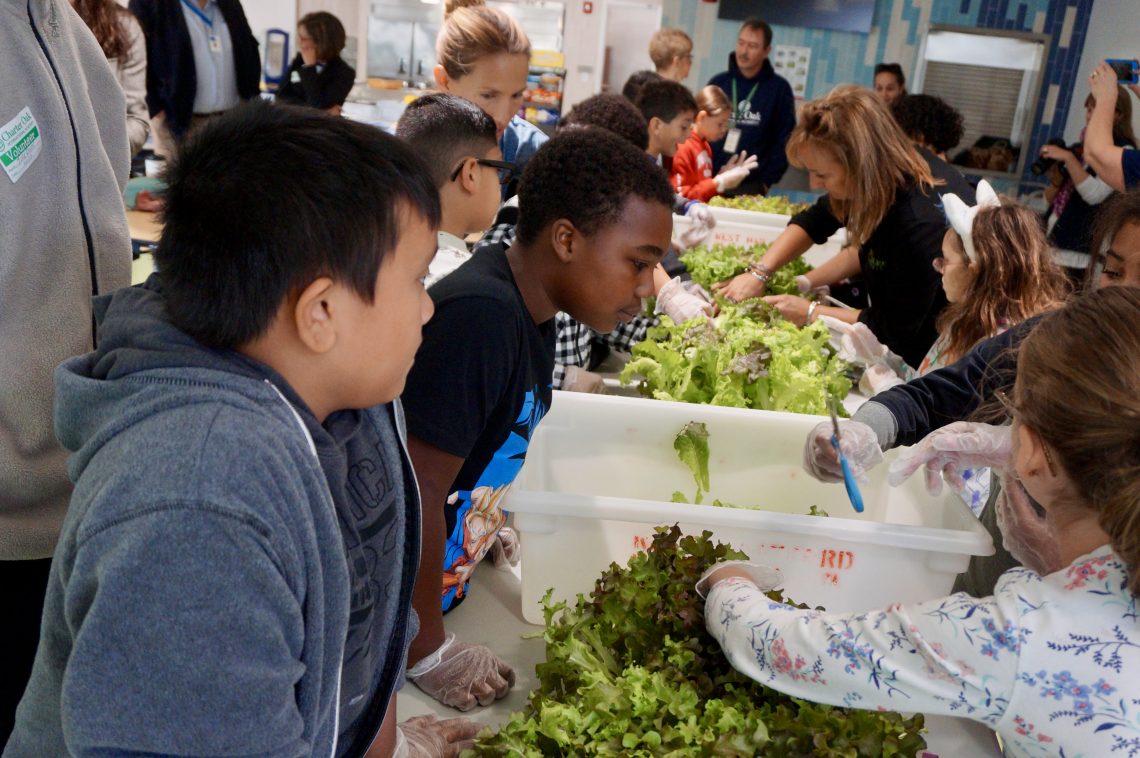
(681,303)
(764,577)
(878,378)
(578,379)
(951,449)
(429,737)
(701,224)
(854,343)
(803,284)
(740,160)
(1025,533)
(462,675)
(506,550)
(858,442)
(699,213)
(732,178)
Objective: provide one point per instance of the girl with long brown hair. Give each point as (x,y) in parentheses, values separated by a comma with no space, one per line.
(484,57)
(121,38)
(885,192)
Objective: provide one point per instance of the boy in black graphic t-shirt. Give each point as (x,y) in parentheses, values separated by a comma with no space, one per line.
(595,218)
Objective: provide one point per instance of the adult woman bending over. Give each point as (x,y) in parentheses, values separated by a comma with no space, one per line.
(879,187)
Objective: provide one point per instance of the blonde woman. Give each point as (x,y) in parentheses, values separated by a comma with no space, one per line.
(484,57)
(671,51)
(877,185)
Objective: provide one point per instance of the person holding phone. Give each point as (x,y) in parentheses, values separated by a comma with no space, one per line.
(1118,167)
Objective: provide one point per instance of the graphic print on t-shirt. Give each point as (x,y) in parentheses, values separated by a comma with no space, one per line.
(479,511)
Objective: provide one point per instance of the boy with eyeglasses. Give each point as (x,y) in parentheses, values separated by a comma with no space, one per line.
(457,140)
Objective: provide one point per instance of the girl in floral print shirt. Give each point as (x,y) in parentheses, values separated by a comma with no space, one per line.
(1050,661)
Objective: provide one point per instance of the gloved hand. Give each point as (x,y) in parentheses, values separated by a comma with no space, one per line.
(578,379)
(877,378)
(701,224)
(1025,534)
(803,284)
(858,442)
(854,343)
(740,159)
(954,447)
(764,577)
(506,550)
(732,178)
(428,737)
(681,303)
(463,675)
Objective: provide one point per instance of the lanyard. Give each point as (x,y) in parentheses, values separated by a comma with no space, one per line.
(209,22)
(735,102)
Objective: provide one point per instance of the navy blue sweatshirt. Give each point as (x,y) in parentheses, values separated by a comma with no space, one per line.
(765,122)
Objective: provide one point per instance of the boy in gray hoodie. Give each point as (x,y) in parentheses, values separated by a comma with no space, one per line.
(234,573)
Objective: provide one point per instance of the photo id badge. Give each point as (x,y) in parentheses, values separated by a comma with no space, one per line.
(215,43)
(732,141)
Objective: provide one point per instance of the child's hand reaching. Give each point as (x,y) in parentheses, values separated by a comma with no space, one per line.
(429,737)
(764,577)
(463,675)
(950,450)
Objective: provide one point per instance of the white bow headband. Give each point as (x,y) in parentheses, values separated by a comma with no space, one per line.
(961,216)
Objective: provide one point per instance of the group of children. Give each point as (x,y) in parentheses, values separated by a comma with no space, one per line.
(289,456)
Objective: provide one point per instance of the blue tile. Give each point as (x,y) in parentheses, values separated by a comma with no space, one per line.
(1021,11)
(964,7)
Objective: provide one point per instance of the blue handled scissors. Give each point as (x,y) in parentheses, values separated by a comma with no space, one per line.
(848,478)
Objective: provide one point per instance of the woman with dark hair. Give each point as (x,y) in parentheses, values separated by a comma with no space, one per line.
(121,38)
(890,82)
(318,76)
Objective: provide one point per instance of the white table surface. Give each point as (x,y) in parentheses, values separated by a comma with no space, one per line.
(492,616)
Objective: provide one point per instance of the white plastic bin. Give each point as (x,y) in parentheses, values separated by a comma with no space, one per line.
(750,235)
(752,218)
(600,472)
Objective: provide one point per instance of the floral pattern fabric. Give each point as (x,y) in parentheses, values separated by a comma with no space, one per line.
(1047,662)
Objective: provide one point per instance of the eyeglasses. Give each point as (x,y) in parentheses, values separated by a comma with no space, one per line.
(506,168)
(1007,403)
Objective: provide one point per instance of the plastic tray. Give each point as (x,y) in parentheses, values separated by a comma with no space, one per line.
(600,472)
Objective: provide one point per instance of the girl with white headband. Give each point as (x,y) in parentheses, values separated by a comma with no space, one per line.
(996,272)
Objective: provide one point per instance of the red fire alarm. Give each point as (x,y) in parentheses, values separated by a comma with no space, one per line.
(587,7)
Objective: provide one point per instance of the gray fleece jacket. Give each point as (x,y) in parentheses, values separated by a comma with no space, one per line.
(63,237)
(233,577)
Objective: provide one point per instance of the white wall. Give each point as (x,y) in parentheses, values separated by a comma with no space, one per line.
(1112,33)
(272,14)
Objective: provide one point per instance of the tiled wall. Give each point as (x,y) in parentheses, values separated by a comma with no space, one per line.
(840,57)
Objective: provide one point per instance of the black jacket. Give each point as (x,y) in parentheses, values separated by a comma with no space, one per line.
(955,392)
(317,90)
(171,81)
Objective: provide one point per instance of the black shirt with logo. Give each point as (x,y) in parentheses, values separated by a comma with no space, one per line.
(897,261)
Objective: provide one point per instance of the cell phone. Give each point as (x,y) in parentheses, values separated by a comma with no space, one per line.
(1127,71)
